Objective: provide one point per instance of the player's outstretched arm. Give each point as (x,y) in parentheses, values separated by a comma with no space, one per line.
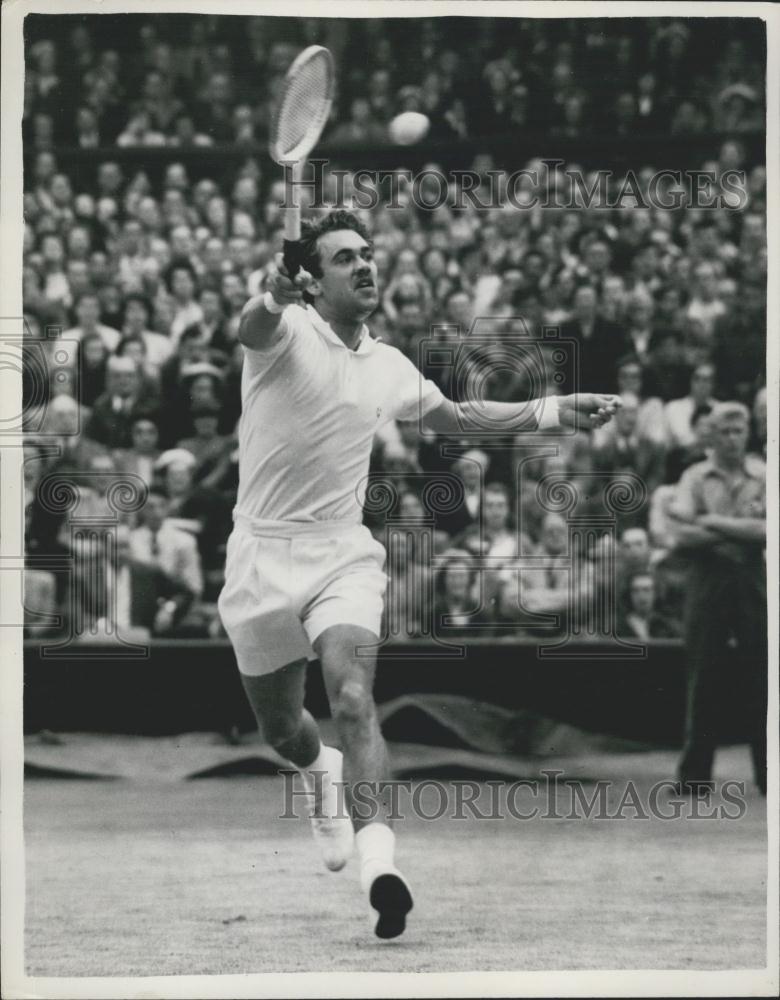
(261,318)
(580,410)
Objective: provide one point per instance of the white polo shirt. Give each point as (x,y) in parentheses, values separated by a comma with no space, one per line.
(310,409)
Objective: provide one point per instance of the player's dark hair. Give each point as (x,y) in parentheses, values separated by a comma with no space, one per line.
(311,232)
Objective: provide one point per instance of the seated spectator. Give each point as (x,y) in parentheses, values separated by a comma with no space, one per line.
(92,358)
(494,537)
(458,608)
(182,284)
(158,543)
(94,504)
(639,618)
(469,469)
(738,348)
(136,324)
(650,417)
(192,349)
(408,602)
(526,593)
(133,347)
(668,372)
(122,596)
(213,324)
(641,333)
(361,128)
(186,135)
(600,343)
(622,448)
(88,311)
(705,306)
(140,458)
(209,448)
(110,295)
(634,553)
(63,425)
(116,410)
(200,510)
(678,413)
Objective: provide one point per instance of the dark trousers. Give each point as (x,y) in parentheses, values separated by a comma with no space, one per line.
(726,646)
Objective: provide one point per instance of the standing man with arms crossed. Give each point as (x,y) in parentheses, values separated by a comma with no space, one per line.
(720,515)
(304,578)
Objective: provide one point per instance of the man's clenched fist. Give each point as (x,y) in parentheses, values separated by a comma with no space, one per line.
(285,290)
(587,409)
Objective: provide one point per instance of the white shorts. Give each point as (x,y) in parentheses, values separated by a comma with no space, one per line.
(285,583)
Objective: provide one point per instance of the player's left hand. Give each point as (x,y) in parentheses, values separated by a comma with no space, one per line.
(587,409)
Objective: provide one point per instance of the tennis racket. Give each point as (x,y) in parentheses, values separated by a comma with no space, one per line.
(301,112)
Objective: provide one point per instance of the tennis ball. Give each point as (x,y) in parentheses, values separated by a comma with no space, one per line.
(408,128)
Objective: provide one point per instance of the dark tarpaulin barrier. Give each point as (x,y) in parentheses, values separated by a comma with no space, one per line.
(193,686)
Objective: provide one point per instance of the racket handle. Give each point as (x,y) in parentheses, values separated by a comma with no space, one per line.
(291,248)
(292,251)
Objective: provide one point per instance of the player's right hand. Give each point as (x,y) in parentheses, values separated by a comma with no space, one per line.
(285,290)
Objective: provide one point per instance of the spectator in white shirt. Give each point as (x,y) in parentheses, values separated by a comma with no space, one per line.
(705,306)
(131,259)
(182,284)
(88,316)
(158,347)
(55,283)
(678,413)
(160,544)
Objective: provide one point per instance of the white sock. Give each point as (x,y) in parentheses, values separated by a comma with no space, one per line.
(320,763)
(376,848)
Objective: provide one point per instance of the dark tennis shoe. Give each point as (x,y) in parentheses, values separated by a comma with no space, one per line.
(391,897)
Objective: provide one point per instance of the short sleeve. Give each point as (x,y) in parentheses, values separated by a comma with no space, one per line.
(684,504)
(258,362)
(414,395)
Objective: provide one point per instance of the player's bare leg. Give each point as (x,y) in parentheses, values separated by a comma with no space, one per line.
(277,701)
(349,681)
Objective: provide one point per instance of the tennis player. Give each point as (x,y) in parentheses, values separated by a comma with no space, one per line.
(304,578)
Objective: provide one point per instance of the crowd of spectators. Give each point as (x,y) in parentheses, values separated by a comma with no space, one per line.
(132,297)
(189,81)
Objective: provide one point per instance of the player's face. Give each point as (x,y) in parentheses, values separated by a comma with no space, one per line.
(348,285)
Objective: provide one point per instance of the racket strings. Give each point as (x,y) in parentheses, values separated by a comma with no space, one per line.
(303,108)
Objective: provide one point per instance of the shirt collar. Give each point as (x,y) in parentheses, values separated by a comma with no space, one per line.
(752,466)
(365,344)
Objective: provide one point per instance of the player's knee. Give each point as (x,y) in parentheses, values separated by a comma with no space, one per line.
(354,705)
